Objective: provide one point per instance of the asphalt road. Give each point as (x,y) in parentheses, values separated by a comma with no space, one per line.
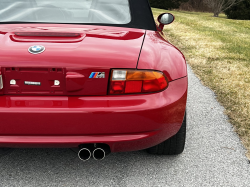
(213,156)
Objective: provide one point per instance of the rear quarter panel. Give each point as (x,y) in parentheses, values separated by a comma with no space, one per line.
(158,54)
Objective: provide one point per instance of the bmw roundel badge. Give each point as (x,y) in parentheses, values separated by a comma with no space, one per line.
(36,49)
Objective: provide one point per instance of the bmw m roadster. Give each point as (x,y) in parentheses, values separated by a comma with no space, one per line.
(96,75)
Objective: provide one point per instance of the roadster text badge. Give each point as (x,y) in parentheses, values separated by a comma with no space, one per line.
(32,83)
(97,75)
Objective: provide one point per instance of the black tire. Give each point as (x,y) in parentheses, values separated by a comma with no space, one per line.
(172,146)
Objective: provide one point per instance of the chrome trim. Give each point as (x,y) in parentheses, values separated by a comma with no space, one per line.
(1,82)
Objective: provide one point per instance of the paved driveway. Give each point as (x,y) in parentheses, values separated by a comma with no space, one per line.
(213,156)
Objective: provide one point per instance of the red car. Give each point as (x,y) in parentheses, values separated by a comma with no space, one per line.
(97,75)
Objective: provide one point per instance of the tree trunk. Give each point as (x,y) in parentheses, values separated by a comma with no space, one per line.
(216,14)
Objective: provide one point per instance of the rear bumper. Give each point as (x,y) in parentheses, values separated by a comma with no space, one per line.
(125,123)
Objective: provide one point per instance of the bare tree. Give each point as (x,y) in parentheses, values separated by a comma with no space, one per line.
(195,5)
(218,6)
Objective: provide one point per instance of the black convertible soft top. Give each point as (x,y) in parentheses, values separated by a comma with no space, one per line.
(23,11)
(141,16)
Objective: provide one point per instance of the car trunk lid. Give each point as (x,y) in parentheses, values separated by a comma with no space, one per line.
(76,61)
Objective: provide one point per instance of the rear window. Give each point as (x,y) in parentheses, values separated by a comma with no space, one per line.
(65,11)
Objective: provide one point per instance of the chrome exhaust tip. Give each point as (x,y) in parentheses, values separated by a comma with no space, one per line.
(84,154)
(99,154)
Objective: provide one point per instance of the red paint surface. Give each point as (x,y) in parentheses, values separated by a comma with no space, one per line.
(160,55)
(101,49)
(125,123)
(79,110)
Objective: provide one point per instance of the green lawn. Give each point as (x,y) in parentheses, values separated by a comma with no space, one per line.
(218,50)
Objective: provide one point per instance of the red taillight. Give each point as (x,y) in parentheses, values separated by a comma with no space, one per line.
(117,87)
(133,86)
(136,81)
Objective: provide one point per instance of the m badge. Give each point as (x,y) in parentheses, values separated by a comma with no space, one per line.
(97,75)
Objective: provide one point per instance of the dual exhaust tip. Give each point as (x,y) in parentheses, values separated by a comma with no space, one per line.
(98,152)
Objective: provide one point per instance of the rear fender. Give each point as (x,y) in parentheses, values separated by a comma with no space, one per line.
(158,54)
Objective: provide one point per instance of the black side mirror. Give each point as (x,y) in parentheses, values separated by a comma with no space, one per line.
(165,19)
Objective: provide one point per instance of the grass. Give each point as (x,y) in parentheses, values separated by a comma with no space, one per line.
(218,50)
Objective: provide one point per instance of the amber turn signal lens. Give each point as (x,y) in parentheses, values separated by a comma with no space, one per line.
(136,81)
(143,75)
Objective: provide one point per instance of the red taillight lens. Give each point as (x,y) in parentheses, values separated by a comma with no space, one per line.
(117,87)
(133,86)
(136,81)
